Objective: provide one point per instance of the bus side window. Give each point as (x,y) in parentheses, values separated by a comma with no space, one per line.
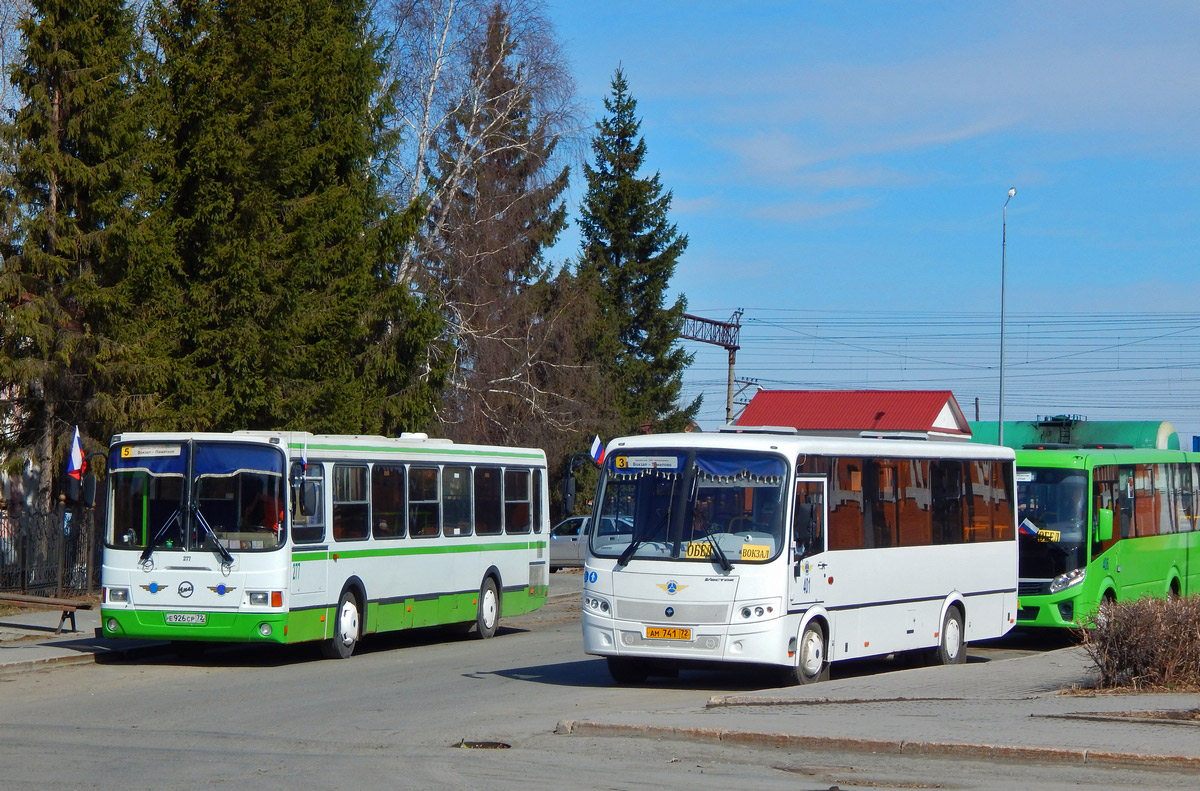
(308,523)
(807,519)
(424,506)
(350,502)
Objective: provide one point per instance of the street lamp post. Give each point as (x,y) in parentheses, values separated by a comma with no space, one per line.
(1003,250)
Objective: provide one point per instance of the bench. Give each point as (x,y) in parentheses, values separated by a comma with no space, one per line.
(68,606)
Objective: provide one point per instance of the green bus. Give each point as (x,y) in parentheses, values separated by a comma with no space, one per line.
(1103,524)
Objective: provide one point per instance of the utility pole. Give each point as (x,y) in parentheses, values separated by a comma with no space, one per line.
(718,333)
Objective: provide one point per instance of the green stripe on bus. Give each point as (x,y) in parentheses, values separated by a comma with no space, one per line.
(413,550)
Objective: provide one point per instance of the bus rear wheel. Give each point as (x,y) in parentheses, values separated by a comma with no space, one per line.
(952,648)
(346,626)
(487,618)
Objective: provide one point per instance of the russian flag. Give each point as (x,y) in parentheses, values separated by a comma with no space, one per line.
(1028,528)
(597,450)
(75,463)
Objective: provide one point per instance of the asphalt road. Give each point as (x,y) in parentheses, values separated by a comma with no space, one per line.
(427,710)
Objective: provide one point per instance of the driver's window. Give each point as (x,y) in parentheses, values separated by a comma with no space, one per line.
(808,519)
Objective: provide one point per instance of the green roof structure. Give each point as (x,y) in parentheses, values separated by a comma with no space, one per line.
(1075,431)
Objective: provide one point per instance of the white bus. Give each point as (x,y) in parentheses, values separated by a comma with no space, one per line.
(762,547)
(287,537)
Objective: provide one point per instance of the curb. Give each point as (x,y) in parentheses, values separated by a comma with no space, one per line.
(855,745)
(86,657)
(54,661)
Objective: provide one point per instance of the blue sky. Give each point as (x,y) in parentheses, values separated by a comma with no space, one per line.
(840,169)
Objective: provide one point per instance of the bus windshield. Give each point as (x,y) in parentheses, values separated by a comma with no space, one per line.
(1052,519)
(236,500)
(700,505)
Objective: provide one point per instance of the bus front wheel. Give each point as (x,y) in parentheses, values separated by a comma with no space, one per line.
(487,617)
(812,665)
(346,625)
(627,671)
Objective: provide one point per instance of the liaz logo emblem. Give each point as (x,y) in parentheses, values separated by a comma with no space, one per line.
(186,589)
(672,587)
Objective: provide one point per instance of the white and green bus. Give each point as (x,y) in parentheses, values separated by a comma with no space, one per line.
(287,537)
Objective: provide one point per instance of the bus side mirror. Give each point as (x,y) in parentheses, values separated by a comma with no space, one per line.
(568,495)
(88,496)
(308,498)
(1104,528)
(70,487)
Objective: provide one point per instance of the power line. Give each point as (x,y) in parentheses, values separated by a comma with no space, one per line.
(1144,365)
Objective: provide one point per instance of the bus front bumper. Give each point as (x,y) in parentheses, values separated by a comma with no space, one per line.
(207,626)
(758,643)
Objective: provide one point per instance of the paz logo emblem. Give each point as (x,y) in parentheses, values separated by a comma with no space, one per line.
(186,589)
(672,587)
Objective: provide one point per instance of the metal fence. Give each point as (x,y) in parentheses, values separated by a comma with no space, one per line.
(50,554)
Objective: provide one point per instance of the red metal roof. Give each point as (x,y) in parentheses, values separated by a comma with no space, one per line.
(855,410)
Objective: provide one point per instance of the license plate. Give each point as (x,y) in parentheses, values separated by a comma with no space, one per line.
(190,618)
(667,633)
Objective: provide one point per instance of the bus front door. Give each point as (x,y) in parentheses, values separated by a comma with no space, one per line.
(809,518)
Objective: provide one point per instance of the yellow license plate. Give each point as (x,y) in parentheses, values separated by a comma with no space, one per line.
(667,633)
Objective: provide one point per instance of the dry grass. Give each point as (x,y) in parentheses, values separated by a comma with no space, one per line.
(1146,644)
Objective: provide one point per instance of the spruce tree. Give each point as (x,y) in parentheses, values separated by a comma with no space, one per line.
(288,312)
(74,139)
(630,249)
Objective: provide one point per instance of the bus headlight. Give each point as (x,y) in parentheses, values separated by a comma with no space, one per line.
(595,604)
(1070,579)
(265,598)
(118,595)
(758,611)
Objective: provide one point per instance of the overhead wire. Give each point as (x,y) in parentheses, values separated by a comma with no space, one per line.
(1123,366)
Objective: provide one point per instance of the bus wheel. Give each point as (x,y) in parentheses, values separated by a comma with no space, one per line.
(627,671)
(1104,611)
(811,664)
(952,649)
(488,617)
(345,629)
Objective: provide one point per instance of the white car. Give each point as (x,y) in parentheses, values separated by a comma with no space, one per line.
(568,539)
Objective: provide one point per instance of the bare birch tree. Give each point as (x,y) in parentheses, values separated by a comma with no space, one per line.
(432,46)
(489,119)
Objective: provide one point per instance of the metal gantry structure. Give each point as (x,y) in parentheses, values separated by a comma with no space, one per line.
(719,333)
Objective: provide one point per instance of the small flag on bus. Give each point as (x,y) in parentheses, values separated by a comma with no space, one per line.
(75,462)
(597,450)
(1028,528)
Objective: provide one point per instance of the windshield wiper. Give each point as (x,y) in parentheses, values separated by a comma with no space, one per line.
(634,543)
(154,541)
(712,542)
(199,517)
